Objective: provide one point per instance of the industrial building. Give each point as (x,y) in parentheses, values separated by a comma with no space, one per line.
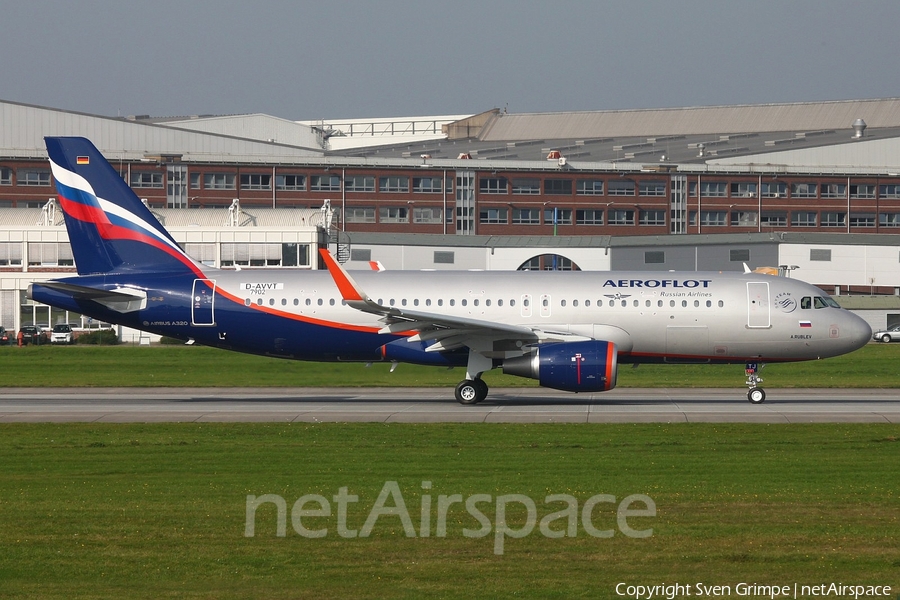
(811,187)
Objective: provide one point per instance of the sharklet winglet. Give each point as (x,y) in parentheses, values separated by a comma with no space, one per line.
(350,291)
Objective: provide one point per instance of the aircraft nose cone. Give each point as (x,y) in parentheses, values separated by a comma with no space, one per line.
(857,331)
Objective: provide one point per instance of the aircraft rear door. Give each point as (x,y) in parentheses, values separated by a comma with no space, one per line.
(758,308)
(203,301)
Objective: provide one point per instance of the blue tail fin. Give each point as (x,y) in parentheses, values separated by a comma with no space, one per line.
(110,229)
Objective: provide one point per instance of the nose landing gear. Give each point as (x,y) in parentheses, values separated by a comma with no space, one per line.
(756,395)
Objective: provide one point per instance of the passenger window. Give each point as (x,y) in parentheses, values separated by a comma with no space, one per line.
(452,302)
(403,302)
(427,301)
(487,302)
(309,301)
(513,303)
(271,301)
(587,302)
(624,303)
(659,303)
(709,304)
(721,303)
(416,302)
(440,301)
(671,303)
(684,304)
(525,302)
(500,302)
(574,302)
(319,302)
(561,303)
(475,302)
(259,301)
(464,302)
(247,302)
(636,303)
(612,303)
(296,302)
(284,301)
(331,302)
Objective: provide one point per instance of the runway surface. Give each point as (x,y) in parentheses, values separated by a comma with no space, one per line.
(436,405)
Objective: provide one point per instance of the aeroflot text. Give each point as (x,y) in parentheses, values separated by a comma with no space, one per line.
(390,503)
(657,283)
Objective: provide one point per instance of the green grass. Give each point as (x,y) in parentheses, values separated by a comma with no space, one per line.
(97,366)
(154,511)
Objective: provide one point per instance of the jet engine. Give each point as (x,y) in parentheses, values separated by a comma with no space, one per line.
(571,366)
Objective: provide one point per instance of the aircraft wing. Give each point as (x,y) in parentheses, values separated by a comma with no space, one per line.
(448,332)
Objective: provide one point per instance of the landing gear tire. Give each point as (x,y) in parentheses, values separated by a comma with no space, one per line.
(471,391)
(756,395)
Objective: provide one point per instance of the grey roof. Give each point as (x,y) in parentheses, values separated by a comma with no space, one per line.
(23,127)
(709,120)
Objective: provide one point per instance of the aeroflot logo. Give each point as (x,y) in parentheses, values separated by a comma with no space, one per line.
(261,288)
(658,283)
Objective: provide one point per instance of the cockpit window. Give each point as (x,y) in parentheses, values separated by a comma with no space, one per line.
(806,302)
(821,302)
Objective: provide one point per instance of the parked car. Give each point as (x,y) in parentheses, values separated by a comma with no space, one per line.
(5,337)
(62,334)
(33,334)
(891,334)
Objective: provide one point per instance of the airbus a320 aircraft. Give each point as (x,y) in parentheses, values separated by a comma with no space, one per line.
(569,330)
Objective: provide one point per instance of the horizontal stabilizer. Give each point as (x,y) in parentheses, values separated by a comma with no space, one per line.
(118,299)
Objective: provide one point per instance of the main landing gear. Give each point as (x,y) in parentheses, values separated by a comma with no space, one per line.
(471,391)
(756,395)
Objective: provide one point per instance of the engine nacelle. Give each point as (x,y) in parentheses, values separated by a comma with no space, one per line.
(589,366)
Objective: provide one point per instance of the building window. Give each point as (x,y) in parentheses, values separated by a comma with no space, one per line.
(558,187)
(264,255)
(713,189)
(557,216)
(218,181)
(621,187)
(393,214)
(834,219)
(804,190)
(526,216)
(775,189)
(654,257)
(256,181)
(739,255)
(652,188)
(891,190)
(526,187)
(774,219)
(10,254)
(889,219)
(589,187)
(621,217)
(39,177)
(427,214)
(443,257)
(324,183)
(146,179)
(359,183)
(820,255)
(291,182)
(5,176)
(713,218)
(394,184)
(743,218)
(652,217)
(427,185)
(589,217)
(834,190)
(360,214)
(862,220)
(493,216)
(804,219)
(862,191)
(743,189)
(195,181)
(48,254)
(493,185)
(361,254)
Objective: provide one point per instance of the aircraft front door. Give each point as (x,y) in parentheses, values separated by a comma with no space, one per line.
(758,309)
(203,302)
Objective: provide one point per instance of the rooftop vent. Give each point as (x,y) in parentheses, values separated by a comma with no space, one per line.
(859,128)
